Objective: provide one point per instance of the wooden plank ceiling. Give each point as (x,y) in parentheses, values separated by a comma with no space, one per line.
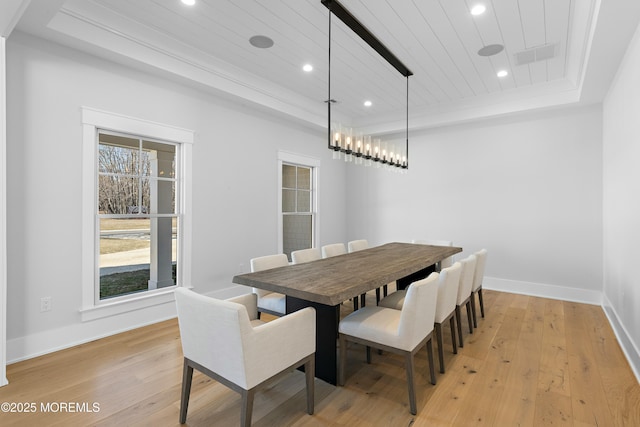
(437,39)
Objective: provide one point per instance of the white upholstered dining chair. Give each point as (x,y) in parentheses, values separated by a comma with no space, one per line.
(468,268)
(305,255)
(357,245)
(445,309)
(224,340)
(270,302)
(333,249)
(476,289)
(402,332)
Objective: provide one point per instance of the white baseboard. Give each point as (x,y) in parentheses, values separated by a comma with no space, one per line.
(629,348)
(543,290)
(34,345)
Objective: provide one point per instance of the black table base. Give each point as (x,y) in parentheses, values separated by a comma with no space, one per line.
(327,320)
(418,275)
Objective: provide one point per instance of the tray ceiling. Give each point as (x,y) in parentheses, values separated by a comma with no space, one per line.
(546,49)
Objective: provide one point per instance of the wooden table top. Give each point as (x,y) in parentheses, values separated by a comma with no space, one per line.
(331,281)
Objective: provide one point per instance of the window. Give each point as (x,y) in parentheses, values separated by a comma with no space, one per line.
(297,202)
(136,215)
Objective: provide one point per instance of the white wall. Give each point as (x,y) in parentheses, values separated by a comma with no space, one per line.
(621,202)
(528,188)
(234,191)
(3,222)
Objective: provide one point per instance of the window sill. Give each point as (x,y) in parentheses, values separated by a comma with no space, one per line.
(131,304)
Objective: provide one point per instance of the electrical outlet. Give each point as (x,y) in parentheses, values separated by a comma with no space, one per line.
(45,304)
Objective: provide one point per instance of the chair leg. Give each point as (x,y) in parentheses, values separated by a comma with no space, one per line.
(469,317)
(368,355)
(481,302)
(408,361)
(452,325)
(385,290)
(343,359)
(432,369)
(473,309)
(187,376)
(440,345)
(310,373)
(377,296)
(363,300)
(355,303)
(247,407)
(458,321)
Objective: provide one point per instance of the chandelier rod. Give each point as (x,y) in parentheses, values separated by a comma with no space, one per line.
(356,26)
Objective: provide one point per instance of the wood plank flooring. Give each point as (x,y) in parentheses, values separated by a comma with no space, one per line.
(531,362)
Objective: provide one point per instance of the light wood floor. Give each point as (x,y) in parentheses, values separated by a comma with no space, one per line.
(531,362)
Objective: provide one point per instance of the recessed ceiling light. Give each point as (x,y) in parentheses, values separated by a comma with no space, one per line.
(262,42)
(502,73)
(188,2)
(478,9)
(307,67)
(368,103)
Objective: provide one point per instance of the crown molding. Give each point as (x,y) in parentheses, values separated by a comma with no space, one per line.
(98,31)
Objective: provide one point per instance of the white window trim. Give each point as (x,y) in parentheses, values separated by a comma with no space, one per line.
(302,160)
(92,120)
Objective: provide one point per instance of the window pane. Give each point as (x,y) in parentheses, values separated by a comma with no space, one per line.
(124,256)
(136,177)
(118,160)
(117,195)
(126,262)
(162,272)
(159,159)
(304,178)
(297,231)
(288,176)
(165,196)
(288,200)
(145,163)
(304,201)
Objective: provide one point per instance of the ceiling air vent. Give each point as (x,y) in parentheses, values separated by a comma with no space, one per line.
(540,53)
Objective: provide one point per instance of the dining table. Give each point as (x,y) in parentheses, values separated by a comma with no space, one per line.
(326,283)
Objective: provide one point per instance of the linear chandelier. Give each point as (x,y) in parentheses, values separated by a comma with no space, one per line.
(355,146)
